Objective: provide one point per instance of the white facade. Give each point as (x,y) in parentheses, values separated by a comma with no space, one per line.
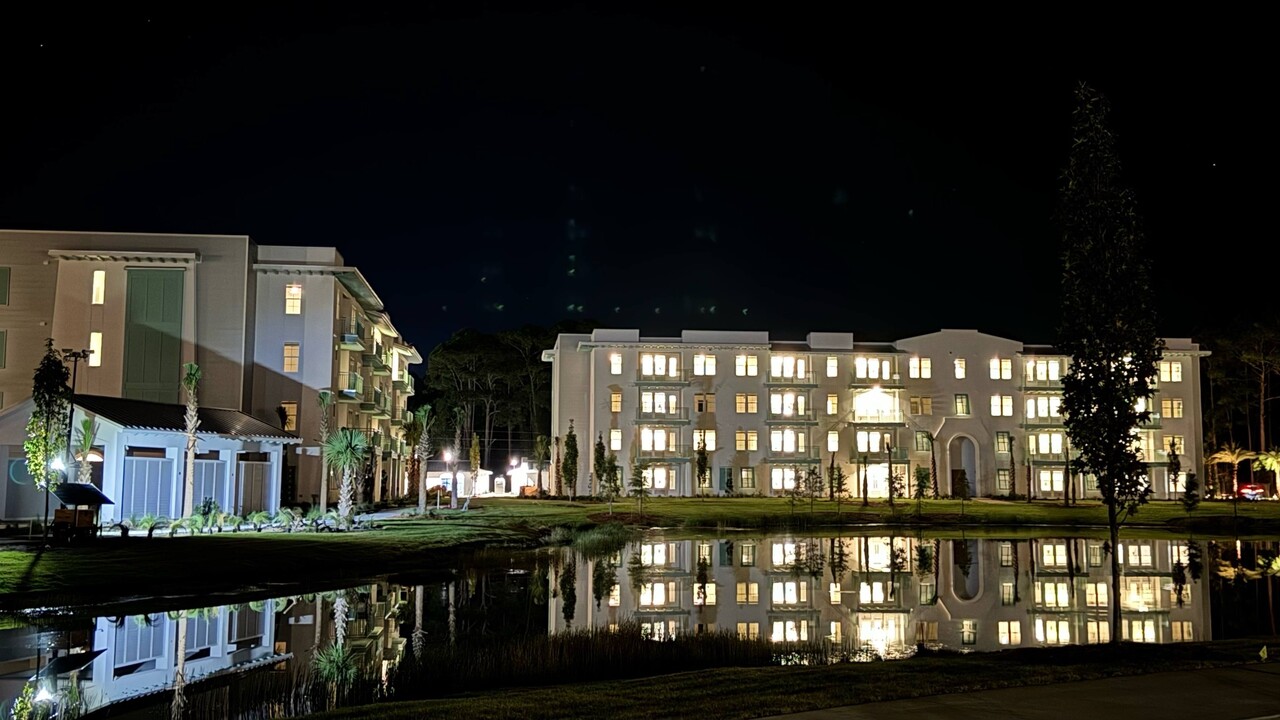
(984,408)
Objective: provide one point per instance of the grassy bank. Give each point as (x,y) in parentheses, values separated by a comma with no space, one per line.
(113,568)
(756,692)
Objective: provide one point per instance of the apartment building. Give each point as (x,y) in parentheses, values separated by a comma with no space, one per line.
(881,596)
(270,327)
(985,410)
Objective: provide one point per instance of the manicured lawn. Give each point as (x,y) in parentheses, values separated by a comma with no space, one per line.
(114,568)
(734,693)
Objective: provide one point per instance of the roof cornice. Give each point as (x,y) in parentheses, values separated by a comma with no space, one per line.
(161,258)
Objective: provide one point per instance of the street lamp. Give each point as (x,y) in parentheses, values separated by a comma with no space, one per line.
(75,356)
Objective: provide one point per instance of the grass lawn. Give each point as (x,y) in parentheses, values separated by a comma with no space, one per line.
(116,569)
(756,692)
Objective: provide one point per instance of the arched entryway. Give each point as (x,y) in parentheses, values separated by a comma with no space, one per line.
(962,460)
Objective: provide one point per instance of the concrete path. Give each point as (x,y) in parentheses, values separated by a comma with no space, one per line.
(1248,692)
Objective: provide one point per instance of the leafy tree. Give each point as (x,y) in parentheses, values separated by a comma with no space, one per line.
(569,469)
(701,468)
(897,485)
(1174,467)
(814,486)
(190,381)
(1270,461)
(922,487)
(610,482)
(1108,321)
(701,577)
(1232,454)
(962,556)
(45,439)
(597,463)
(639,490)
(1190,493)
(541,455)
(569,588)
(344,451)
(604,575)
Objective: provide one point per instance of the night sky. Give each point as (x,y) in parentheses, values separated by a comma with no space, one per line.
(781,169)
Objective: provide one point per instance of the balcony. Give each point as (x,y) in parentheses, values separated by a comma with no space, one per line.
(351,333)
(377,359)
(1043,422)
(1049,458)
(681,377)
(350,387)
(898,455)
(808,379)
(893,381)
(1031,384)
(672,452)
(398,415)
(781,457)
(793,418)
(676,416)
(1153,423)
(376,403)
(404,383)
(882,417)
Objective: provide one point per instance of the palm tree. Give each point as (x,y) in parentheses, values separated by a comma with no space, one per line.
(86,436)
(190,379)
(417,432)
(1269,460)
(344,451)
(541,454)
(1233,455)
(325,401)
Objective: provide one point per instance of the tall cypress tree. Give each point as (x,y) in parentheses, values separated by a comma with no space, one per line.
(1108,322)
(569,464)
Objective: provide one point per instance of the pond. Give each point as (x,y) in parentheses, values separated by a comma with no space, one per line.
(506,618)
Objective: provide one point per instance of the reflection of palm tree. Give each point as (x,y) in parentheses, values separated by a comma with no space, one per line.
(340,618)
(1233,455)
(344,451)
(419,632)
(179,703)
(1270,460)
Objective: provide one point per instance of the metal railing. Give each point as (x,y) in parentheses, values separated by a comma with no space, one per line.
(887,417)
(350,384)
(674,415)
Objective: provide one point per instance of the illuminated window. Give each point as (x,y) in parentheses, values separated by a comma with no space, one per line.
(95,349)
(923,442)
(1095,594)
(615,364)
(783,478)
(1010,632)
(746,403)
(293,299)
(1099,631)
(787,366)
(1001,369)
(1178,444)
(1003,440)
(833,441)
(1004,476)
(1002,405)
(865,368)
(290,415)
(746,440)
(1051,480)
(1181,631)
(1170,371)
(745,366)
(920,368)
(920,405)
(615,439)
(704,593)
(659,403)
(652,365)
(1171,407)
(969,632)
(747,478)
(291,354)
(748,631)
(704,402)
(5,274)
(1044,406)
(615,596)
(833,365)
(962,404)
(833,403)
(704,364)
(786,404)
(869,441)
(959,363)
(99,287)
(747,558)
(705,436)
(790,592)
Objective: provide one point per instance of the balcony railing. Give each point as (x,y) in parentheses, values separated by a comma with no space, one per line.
(404,383)
(681,377)
(672,452)
(676,415)
(351,333)
(805,417)
(884,417)
(1030,383)
(376,403)
(808,379)
(350,387)
(1050,421)
(808,455)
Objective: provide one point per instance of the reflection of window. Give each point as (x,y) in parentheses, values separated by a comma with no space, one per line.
(705,436)
(1098,631)
(1006,593)
(704,593)
(1006,554)
(790,592)
(748,593)
(748,555)
(748,631)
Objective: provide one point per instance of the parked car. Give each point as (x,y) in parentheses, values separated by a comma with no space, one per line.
(1252,491)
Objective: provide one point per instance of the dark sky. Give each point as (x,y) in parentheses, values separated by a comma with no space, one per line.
(786,169)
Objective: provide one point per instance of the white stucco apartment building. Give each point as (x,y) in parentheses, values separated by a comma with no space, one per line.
(984,408)
(269,326)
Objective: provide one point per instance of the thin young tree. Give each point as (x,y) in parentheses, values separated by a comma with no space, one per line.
(324,401)
(344,451)
(45,439)
(541,454)
(862,467)
(639,486)
(569,469)
(837,483)
(610,483)
(922,488)
(597,463)
(191,421)
(1108,322)
(701,467)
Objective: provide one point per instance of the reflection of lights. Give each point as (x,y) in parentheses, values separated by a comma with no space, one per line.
(1136,601)
(58,465)
(43,694)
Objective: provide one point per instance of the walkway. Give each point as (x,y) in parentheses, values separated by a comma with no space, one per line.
(1246,692)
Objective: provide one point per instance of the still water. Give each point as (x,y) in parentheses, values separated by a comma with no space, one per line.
(858,597)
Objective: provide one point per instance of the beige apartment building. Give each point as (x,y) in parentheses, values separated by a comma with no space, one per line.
(270,327)
(985,409)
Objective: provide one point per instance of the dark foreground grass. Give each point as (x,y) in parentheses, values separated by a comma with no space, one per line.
(116,569)
(739,693)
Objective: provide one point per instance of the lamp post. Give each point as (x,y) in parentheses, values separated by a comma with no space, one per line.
(448,464)
(75,356)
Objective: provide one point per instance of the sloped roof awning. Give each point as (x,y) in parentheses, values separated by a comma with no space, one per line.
(77,493)
(167,417)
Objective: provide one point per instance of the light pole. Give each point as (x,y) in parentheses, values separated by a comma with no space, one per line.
(75,356)
(448,464)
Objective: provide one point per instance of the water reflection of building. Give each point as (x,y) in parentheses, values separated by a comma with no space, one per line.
(888,594)
(126,659)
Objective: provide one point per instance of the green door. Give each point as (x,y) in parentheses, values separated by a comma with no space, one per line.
(153,335)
